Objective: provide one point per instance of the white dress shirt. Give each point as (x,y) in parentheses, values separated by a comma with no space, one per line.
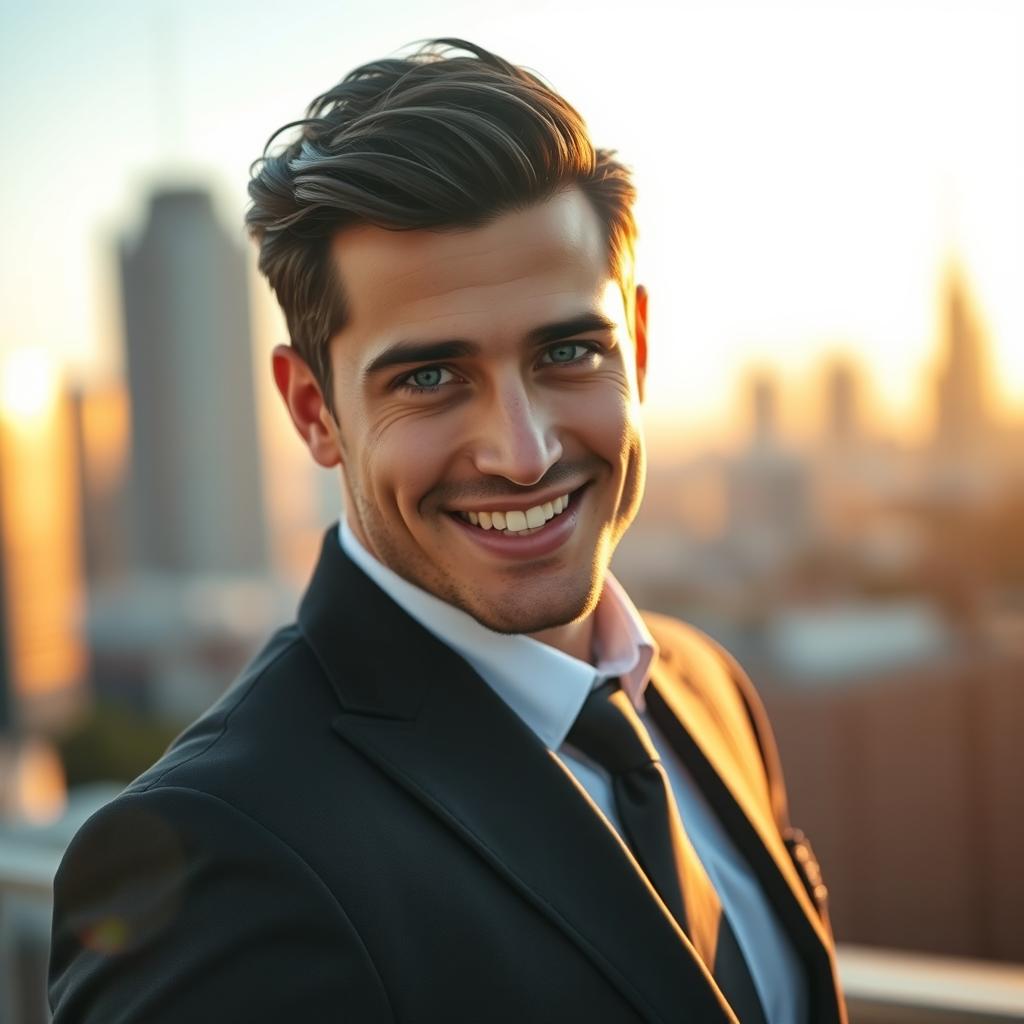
(546,688)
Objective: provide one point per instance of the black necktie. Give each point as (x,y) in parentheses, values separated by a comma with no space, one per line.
(609,731)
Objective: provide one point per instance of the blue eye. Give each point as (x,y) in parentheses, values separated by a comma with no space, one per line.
(427,378)
(566,353)
(563,353)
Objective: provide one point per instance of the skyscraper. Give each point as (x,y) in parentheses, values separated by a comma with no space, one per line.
(101,424)
(767,488)
(842,426)
(963,425)
(44,660)
(6,715)
(196,488)
(764,412)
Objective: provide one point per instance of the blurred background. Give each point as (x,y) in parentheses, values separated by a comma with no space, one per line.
(832,232)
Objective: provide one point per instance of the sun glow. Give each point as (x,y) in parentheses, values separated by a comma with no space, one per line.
(28,386)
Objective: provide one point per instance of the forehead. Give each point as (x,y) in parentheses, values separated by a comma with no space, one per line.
(547,259)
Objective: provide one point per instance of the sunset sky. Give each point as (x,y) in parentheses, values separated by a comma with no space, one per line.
(806,170)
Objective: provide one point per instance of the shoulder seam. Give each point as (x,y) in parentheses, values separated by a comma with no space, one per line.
(224,725)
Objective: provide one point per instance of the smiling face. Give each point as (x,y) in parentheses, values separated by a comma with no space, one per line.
(487,388)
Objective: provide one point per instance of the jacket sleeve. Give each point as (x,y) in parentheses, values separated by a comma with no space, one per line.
(171,905)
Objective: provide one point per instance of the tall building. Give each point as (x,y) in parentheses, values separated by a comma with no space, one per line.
(101,427)
(963,425)
(195,468)
(764,412)
(40,555)
(6,714)
(768,497)
(842,424)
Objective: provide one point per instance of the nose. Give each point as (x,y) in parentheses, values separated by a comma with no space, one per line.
(516,437)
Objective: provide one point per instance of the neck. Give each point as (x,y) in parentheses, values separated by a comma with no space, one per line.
(574,638)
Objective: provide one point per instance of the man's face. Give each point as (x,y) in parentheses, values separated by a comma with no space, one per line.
(487,376)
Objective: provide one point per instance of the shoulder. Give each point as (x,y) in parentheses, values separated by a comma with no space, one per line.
(268,752)
(713,676)
(200,783)
(159,885)
(265,713)
(268,739)
(210,855)
(690,652)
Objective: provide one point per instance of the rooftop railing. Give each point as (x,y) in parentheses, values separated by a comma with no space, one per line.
(886,986)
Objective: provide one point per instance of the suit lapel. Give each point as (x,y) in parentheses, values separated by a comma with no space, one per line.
(420,713)
(707,747)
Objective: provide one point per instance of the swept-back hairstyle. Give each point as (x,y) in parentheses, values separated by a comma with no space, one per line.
(436,139)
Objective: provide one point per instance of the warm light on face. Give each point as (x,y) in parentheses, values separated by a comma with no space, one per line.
(490,370)
(28,385)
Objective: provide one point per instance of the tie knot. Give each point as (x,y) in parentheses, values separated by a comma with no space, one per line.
(609,731)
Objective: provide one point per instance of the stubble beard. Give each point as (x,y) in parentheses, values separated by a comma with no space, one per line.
(527,606)
(530,606)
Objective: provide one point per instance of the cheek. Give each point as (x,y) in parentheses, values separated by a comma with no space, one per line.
(606,421)
(403,463)
(609,426)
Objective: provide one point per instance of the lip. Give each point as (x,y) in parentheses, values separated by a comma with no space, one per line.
(520,504)
(547,538)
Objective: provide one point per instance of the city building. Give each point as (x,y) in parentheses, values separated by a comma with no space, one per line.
(964,428)
(195,467)
(40,550)
(101,429)
(769,502)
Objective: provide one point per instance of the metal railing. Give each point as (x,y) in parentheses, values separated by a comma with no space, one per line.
(882,986)
(26,895)
(887,985)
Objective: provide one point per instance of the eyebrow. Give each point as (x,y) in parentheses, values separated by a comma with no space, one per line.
(403,353)
(581,324)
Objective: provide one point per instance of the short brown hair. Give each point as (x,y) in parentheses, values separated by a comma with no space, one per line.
(431,140)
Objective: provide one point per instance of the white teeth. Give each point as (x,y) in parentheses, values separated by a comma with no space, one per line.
(517,521)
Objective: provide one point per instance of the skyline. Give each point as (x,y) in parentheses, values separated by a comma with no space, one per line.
(810,220)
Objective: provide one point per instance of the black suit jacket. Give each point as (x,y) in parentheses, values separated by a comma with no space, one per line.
(361,830)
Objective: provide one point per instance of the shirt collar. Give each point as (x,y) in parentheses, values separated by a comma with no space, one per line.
(544,686)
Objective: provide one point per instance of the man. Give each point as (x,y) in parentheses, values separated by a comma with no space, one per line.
(471,783)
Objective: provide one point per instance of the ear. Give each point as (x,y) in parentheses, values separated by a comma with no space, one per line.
(306,406)
(640,337)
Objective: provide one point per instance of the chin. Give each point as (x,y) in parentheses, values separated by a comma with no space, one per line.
(530,613)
